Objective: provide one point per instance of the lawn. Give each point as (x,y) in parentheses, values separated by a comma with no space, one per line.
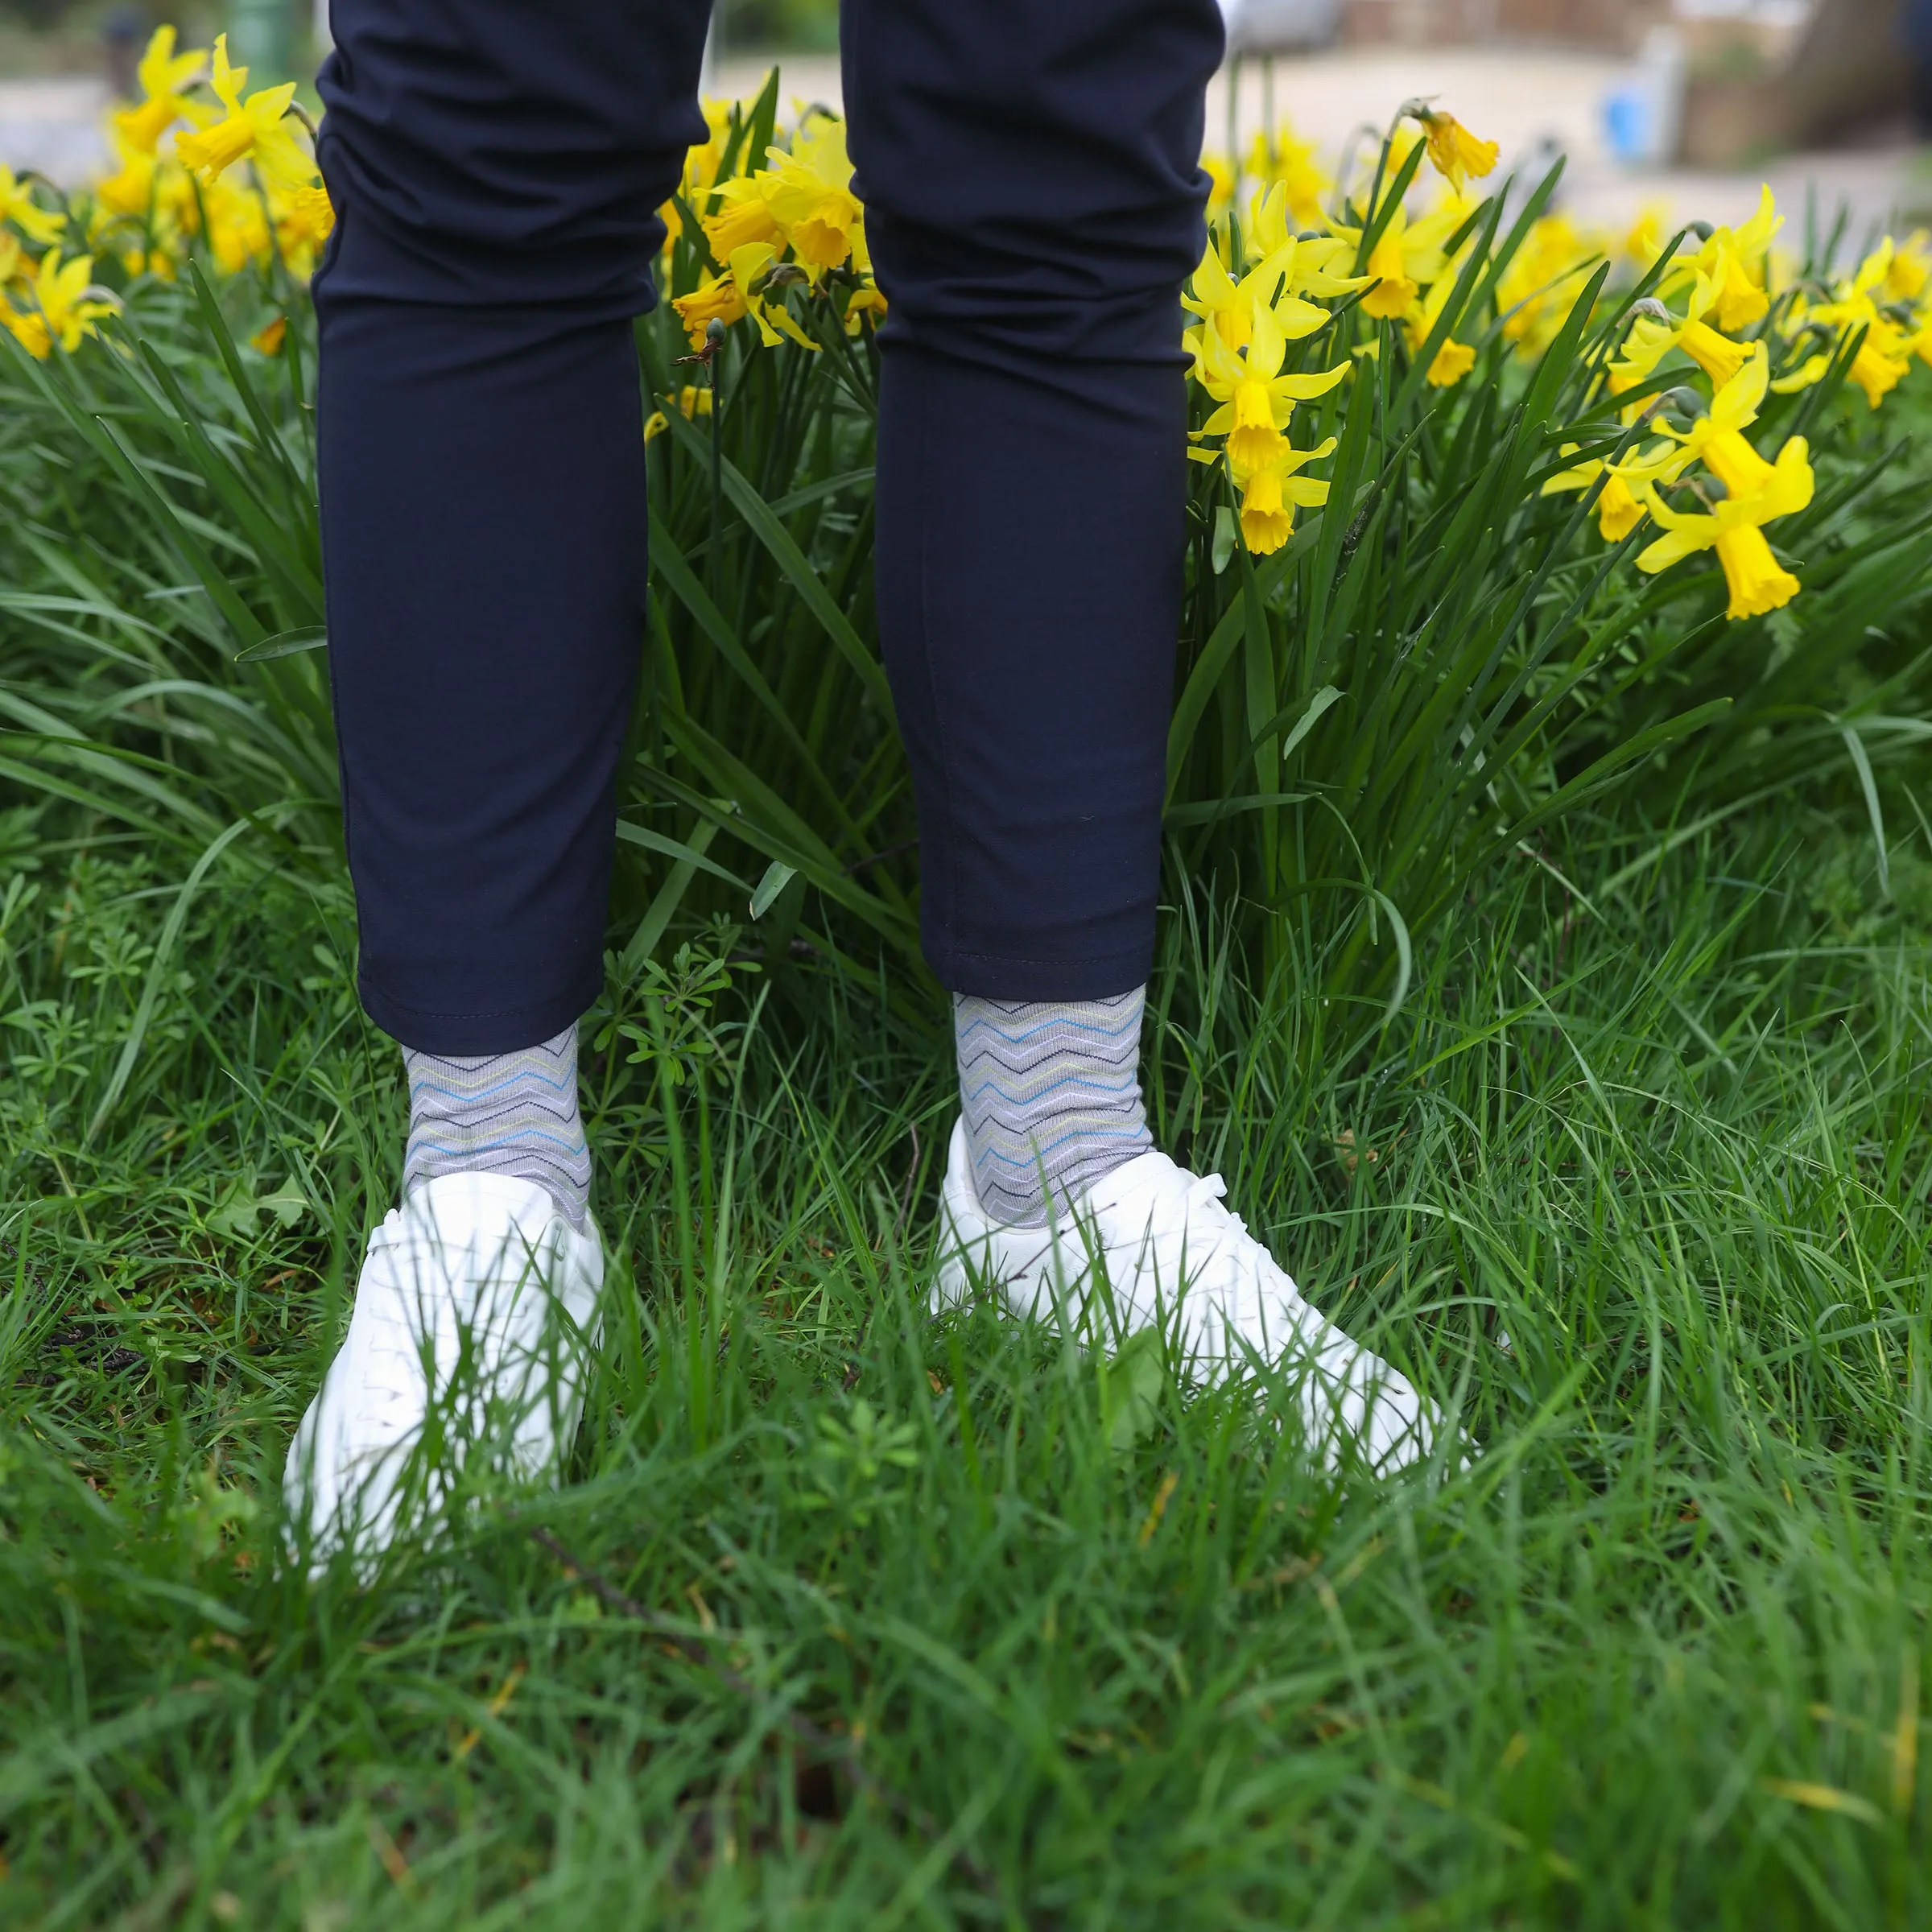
(1544,964)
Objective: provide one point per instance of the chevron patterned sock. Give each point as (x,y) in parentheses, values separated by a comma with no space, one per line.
(1051,1093)
(501,1113)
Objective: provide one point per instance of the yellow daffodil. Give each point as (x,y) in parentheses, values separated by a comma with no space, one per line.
(1319,265)
(1654,332)
(17,205)
(1885,353)
(1270,497)
(1541,285)
(237,225)
(1621,506)
(1734,527)
(692,401)
(1231,306)
(766,307)
(163,75)
(1255,399)
(268,340)
(1730,264)
(305,219)
(130,190)
(715,296)
(13,259)
(1221,184)
(1407,255)
(66,306)
(740,217)
(1454,152)
(1910,271)
(869,300)
(256,127)
(1881,362)
(702,161)
(1717,440)
(809,193)
(1453,360)
(1288,163)
(1645,241)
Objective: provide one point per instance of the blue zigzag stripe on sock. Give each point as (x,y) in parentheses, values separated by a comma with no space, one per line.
(512,1113)
(1050,1092)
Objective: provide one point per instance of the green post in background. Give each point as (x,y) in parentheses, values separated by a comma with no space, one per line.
(260,37)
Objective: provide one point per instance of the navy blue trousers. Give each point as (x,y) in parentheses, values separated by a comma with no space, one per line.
(1033,204)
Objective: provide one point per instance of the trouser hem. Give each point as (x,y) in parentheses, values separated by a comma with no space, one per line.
(506,1030)
(998,976)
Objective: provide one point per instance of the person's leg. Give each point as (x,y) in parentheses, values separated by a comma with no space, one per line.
(496,168)
(1034,204)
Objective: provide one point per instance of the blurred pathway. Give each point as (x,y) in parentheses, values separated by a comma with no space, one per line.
(1527,99)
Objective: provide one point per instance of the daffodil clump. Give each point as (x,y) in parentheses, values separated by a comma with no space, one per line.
(765,228)
(1710,326)
(202,160)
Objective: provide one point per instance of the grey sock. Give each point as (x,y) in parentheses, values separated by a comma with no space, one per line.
(1051,1093)
(511,1113)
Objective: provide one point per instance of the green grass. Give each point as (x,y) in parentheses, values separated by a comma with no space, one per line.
(1671,1144)
(851,1616)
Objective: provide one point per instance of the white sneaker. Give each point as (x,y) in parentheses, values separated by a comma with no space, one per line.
(1173,1254)
(477,1306)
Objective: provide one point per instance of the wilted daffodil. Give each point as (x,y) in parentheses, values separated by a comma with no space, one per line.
(256,127)
(163,75)
(1455,153)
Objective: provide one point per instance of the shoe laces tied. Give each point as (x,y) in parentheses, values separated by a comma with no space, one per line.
(1213,1234)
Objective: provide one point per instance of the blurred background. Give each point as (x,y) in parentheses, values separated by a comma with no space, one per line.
(1656,103)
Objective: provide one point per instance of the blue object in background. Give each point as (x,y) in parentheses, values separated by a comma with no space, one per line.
(1630,125)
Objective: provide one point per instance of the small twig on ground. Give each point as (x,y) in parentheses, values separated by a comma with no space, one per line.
(912,1174)
(842,1752)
